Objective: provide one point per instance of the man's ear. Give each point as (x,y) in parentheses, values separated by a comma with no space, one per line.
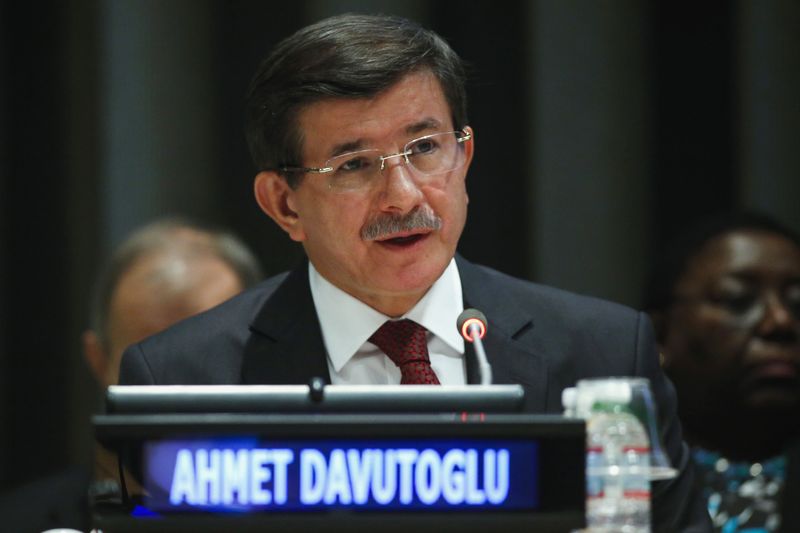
(469,146)
(95,356)
(277,200)
(469,151)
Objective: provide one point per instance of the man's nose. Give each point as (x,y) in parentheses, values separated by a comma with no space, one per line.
(400,191)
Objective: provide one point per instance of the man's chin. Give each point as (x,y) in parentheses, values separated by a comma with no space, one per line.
(421,273)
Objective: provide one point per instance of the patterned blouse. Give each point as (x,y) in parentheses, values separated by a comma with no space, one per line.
(742,497)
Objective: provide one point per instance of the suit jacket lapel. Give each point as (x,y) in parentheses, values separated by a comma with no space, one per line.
(512,360)
(287,345)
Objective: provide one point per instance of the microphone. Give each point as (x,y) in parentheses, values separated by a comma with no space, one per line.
(472,326)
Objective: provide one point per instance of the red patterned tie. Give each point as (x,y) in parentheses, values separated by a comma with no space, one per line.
(405,343)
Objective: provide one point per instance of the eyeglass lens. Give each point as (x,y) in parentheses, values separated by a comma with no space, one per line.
(748,304)
(429,158)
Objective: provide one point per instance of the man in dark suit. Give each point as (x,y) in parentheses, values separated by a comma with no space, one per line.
(358,127)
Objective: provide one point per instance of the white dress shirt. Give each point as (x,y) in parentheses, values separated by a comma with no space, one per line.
(347,323)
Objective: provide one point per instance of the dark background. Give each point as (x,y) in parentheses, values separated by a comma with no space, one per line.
(602,128)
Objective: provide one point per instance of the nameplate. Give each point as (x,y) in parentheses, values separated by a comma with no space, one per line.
(253,474)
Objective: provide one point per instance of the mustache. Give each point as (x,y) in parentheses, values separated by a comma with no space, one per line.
(421,218)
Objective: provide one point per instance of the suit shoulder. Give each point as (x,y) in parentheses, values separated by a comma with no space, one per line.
(205,348)
(551,301)
(240,309)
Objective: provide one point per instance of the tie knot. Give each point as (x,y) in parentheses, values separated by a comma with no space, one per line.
(405,343)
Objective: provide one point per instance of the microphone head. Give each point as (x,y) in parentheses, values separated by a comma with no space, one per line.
(469,318)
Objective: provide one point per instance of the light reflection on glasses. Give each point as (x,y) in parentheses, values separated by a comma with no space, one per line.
(748,303)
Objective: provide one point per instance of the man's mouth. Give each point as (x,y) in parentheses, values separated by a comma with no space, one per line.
(403,241)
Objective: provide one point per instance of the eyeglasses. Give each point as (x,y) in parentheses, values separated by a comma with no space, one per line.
(429,157)
(747,303)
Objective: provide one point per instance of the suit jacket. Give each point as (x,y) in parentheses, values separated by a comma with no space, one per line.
(542,338)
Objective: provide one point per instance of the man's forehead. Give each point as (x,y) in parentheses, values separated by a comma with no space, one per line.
(416,104)
(420,127)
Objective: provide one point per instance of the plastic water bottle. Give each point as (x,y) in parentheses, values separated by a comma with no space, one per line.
(595,469)
(595,462)
(618,460)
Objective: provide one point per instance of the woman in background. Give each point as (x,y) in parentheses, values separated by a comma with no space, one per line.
(725,301)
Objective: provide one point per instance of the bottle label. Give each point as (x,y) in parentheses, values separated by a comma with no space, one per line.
(594,479)
(636,483)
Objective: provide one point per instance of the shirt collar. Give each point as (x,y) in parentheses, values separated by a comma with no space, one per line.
(347,322)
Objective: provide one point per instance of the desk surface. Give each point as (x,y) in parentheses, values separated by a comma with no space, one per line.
(113,521)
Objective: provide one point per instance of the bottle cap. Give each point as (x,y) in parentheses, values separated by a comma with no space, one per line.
(616,391)
(569,398)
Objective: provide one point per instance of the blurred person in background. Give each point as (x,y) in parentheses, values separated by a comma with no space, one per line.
(725,300)
(164,272)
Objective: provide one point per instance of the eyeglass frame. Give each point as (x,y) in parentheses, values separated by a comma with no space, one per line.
(466,136)
(752,314)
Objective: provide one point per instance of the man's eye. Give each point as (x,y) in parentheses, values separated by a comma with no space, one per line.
(424,146)
(354,165)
